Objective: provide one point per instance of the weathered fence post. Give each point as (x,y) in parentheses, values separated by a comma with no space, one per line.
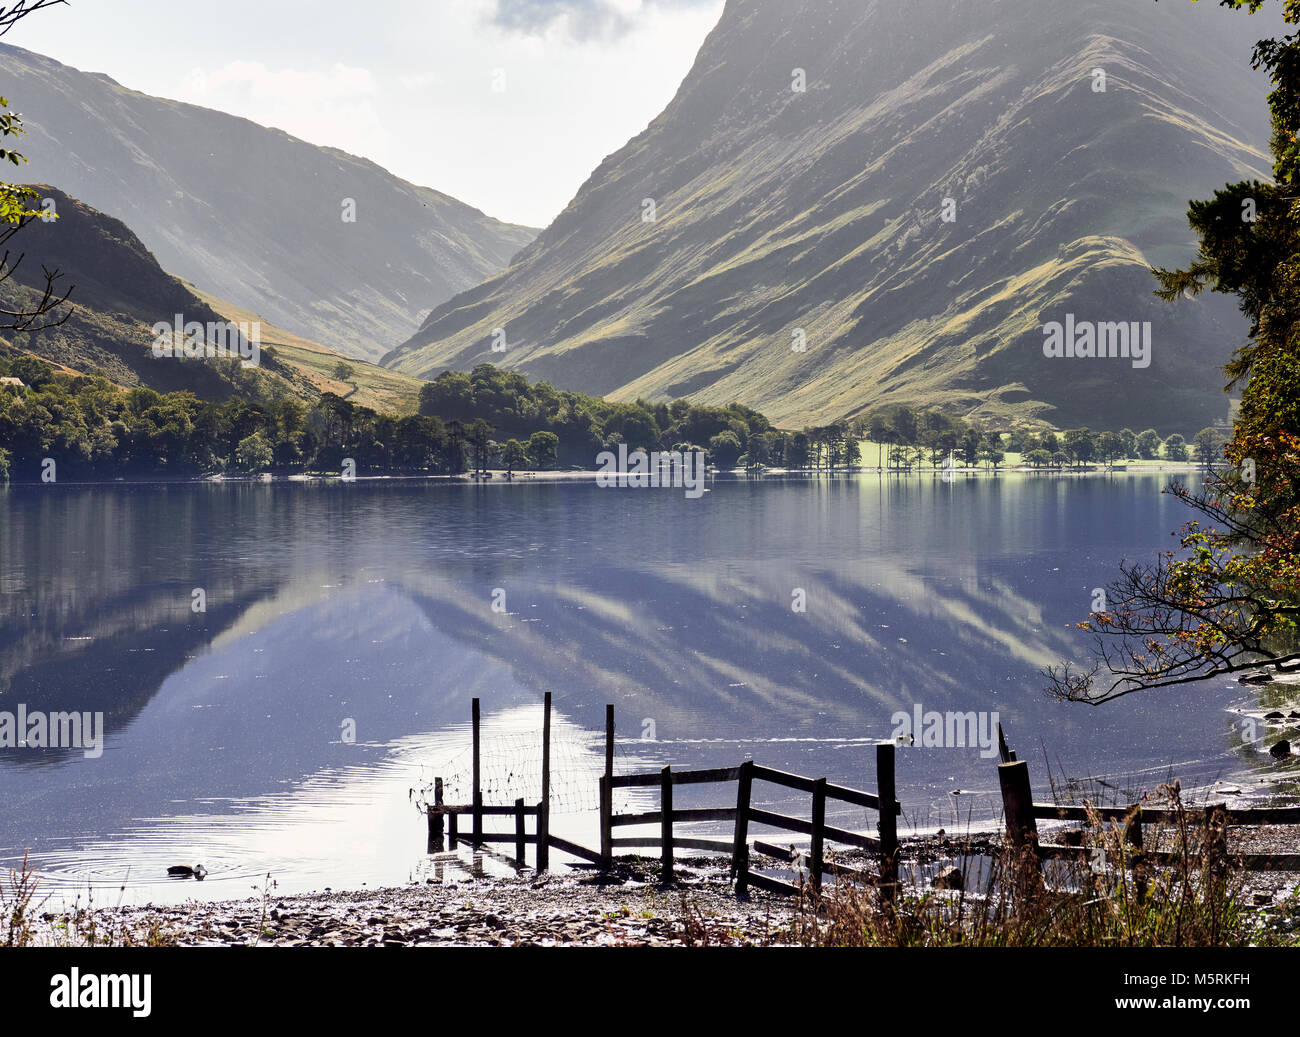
(1133,828)
(818,835)
(606,824)
(453,831)
(1018,803)
(544,810)
(666,822)
(607,796)
(740,848)
(477,800)
(886,793)
(1022,827)
(436,818)
(519,833)
(609,740)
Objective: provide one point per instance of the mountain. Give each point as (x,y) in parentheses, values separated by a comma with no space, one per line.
(119,292)
(823,210)
(252,214)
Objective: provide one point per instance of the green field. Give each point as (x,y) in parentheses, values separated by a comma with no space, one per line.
(369,385)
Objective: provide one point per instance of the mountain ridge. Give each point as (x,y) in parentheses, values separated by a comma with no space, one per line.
(119,292)
(821,211)
(252,213)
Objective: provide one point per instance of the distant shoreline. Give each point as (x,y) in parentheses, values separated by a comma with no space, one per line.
(500,477)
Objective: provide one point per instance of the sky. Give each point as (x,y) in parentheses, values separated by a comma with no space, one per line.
(508,105)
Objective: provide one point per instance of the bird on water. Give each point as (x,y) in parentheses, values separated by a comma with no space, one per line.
(184,871)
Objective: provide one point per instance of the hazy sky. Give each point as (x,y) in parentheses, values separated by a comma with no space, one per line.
(505,104)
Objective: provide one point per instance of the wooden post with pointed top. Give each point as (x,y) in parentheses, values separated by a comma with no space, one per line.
(1018,804)
(1022,826)
(477,801)
(544,808)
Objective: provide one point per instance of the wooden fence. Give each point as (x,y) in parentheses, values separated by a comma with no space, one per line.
(1023,815)
(745,813)
(444,818)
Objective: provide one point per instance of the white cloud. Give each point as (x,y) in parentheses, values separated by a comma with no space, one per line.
(582,19)
(291,86)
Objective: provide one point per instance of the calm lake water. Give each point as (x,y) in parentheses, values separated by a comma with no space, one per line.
(371,605)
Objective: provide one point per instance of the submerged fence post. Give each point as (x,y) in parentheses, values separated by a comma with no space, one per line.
(436,818)
(818,835)
(886,793)
(544,808)
(607,796)
(477,796)
(666,823)
(740,848)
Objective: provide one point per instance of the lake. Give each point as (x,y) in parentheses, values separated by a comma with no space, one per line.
(349,626)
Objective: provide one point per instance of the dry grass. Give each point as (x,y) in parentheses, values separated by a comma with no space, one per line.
(1114,896)
(25,925)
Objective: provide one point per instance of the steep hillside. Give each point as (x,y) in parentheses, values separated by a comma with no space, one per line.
(253,214)
(779,211)
(119,294)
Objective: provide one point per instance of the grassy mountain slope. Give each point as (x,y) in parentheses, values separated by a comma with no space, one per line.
(779,210)
(119,293)
(253,214)
(368,385)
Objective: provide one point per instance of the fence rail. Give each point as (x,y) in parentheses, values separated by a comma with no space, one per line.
(821,790)
(444,818)
(703,777)
(1023,814)
(1021,811)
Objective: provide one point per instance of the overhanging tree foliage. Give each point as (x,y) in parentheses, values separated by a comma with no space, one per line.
(1229,600)
(15,205)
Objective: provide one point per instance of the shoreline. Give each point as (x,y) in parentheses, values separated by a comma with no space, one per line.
(499,478)
(577,907)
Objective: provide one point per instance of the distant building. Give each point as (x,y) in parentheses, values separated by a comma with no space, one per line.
(18,382)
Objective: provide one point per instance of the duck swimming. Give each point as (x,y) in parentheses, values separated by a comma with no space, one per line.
(184,871)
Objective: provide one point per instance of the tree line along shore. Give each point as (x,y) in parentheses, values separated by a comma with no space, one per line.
(486,419)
